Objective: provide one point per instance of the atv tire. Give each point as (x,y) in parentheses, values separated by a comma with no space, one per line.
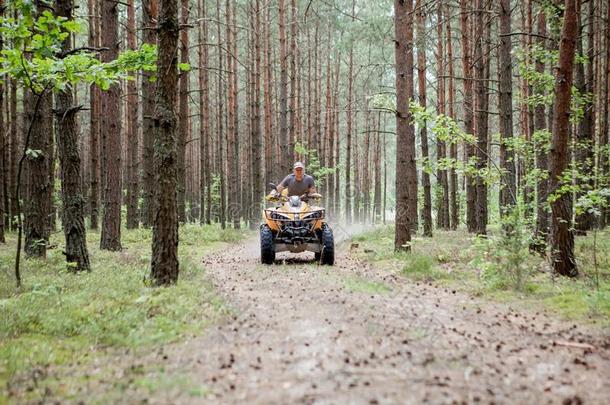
(267,245)
(327,256)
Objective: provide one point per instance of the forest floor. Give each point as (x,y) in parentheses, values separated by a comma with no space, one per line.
(358,332)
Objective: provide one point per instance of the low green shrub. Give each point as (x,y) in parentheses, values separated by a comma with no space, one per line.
(59,317)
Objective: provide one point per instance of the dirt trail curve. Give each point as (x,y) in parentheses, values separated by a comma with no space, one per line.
(303,335)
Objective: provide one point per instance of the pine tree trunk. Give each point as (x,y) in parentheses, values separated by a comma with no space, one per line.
(149,18)
(405,132)
(442,204)
(508,187)
(542,217)
(73,199)
(453,152)
(94,123)
(237,210)
(562,236)
(357,167)
(604,163)
(232,174)
(348,133)
(133,188)
(481,60)
(337,173)
(205,180)
(221,91)
(38,183)
(294,112)
(258,188)
(15,151)
(3,161)
(584,148)
(111,127)
(366,187)
(183,115)
(423,132)
(267,86)
(164,263)
(471,198)
(377,168)
(328,124)
(283,92)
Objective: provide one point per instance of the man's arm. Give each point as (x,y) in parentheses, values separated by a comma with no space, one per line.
(283,184)
(312,186)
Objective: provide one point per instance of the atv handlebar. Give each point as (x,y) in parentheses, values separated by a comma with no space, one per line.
(305,197)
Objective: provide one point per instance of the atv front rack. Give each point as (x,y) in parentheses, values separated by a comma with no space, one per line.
(311,215)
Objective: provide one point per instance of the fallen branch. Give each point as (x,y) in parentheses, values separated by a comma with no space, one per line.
(575,345)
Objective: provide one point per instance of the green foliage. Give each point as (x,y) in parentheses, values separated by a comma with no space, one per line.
(447,130)
(384,102)
(33,52)
(504,258)
(500,267)
(59,318)
(543,83)
(418,266)
(314,167)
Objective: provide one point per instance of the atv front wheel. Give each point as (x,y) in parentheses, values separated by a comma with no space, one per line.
(327,256)
(267,245)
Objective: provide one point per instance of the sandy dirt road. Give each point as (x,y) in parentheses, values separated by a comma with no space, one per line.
(352,333)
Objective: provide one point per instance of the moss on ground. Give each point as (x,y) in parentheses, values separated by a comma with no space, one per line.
(457,259)
(59,318)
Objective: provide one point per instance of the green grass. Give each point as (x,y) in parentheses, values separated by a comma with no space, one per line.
(457,259)
(59,318)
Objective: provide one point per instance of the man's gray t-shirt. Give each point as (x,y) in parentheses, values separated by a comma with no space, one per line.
(296,187)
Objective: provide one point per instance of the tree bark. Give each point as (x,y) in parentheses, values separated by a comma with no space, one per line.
(237,208)
(3,161)
(267,90)
(377,159)
(293,102)
(94,123)
(149,36)
(508,187)
(405,132)
(453,152)
(73,200)
(205,180)
(133,145)
(285,153)
(15,151)
(562,236)
(348,133)
(481,70)
(442,203)
(336,119)
(164,263)
(258,188)
(423,133)
(605,132)
(471,198)
(111,126)
(183,115)
(38,183)
(542,217)
(220,155)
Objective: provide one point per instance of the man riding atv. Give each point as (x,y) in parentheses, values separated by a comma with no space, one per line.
(294,225)
(298,183)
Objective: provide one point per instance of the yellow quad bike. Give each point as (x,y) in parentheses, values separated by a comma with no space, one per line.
(295,226)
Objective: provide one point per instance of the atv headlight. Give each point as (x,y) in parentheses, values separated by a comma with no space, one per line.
(319,214)
(276,215)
